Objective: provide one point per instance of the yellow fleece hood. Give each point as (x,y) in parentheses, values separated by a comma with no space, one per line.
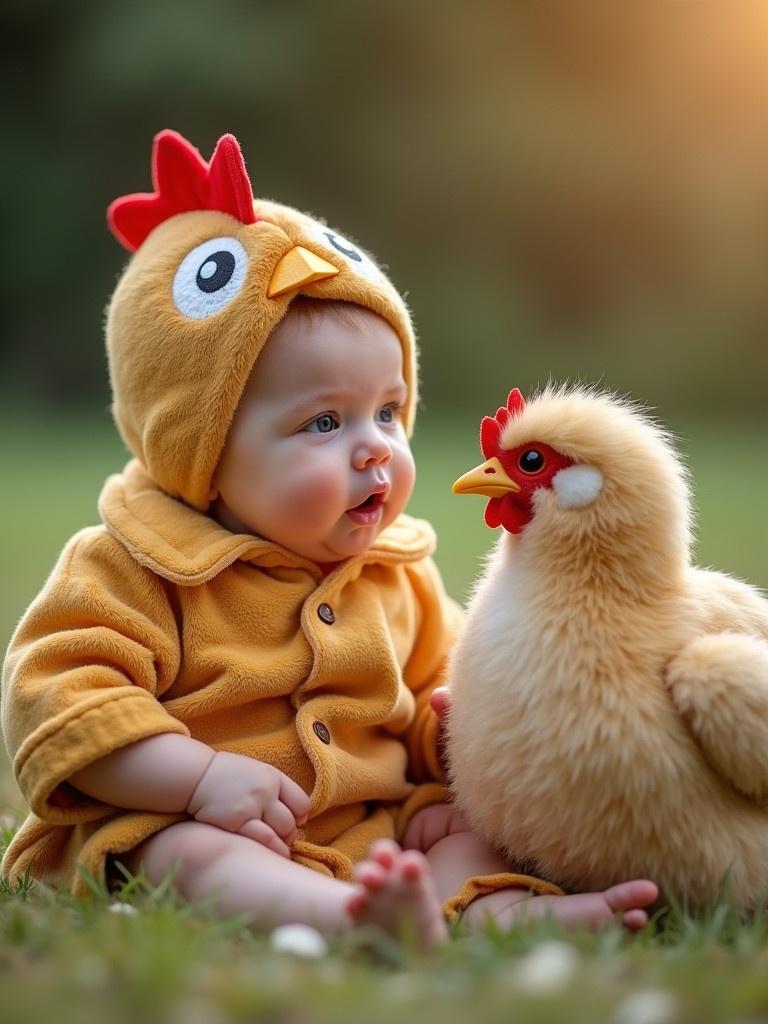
(201,294)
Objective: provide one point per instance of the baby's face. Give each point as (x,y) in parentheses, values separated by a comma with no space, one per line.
(317,459)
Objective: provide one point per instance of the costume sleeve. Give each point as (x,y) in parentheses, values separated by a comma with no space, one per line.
(440,618)
(84,672)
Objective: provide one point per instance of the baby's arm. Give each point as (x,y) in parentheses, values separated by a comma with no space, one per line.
(81,704)
(172,773)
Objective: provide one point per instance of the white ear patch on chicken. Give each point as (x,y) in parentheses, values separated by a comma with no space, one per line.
(577,486)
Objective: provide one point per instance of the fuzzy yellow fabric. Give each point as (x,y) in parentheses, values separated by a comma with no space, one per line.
(163,621)
(483,885)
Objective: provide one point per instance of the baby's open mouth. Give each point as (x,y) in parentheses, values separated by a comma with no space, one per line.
(370,501)
(368,511)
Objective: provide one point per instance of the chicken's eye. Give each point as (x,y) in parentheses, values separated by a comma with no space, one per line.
(209,277)
(352,254)
(531,461)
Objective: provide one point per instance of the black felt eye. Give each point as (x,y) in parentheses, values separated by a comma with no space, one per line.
(531,461)
(215,271)
(353,256)
(344,248)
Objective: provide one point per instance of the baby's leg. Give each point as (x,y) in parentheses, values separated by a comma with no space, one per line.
(454,854)
(590,910)
(242,877)
(453,851)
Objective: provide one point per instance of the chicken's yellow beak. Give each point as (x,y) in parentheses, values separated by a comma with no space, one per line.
(299,266)
(489,479)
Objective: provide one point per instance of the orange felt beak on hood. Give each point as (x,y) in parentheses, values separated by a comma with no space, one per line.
(298,267)
(489,479)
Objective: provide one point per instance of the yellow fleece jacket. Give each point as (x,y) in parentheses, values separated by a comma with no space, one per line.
(163,621)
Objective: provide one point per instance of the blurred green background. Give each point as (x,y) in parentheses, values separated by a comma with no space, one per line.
(562,190)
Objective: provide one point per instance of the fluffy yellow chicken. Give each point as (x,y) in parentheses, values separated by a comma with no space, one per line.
(609,700)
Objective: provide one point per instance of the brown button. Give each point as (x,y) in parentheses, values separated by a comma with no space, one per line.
(326,614)
(321,731)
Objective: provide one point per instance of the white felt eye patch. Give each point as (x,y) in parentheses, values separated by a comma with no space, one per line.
(209,277)
(355,258)
(577,486)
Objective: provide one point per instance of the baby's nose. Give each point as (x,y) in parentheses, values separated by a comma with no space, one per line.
(373,451)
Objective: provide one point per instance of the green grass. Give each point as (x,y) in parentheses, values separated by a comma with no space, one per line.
(82,962)
(174,963)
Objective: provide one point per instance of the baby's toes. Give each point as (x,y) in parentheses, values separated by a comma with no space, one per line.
(357,904)
(635,919)
(632,895)
(371,876)
(385,852)
(413,868)
(390,897)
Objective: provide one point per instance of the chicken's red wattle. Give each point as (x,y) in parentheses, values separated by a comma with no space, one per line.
(506,512)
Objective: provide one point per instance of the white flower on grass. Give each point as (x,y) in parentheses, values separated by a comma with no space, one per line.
(648,1006)
(547,968)
(299,939)
(123,908)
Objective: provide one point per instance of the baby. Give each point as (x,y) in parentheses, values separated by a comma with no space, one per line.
(230,678)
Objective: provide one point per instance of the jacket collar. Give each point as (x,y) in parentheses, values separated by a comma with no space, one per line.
(187,547)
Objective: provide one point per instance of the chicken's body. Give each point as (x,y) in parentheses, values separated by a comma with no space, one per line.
(610,702)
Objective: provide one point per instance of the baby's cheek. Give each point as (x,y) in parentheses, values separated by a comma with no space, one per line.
(314,495)
(402,474)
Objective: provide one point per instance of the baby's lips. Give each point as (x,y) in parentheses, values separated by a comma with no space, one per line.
(379,493)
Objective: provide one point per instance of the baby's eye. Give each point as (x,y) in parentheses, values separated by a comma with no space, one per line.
(323,424)
(387,414)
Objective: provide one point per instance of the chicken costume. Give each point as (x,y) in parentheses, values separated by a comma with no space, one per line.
(160,620)
(610,700)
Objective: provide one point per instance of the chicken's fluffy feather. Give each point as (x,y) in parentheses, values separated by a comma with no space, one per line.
(610,701)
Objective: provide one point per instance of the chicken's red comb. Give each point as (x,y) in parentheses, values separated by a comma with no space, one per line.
(183,181)
(492,426)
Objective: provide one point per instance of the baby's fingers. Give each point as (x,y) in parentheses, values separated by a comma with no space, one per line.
(294,797)
(261,833)
(280,819)
(440,702)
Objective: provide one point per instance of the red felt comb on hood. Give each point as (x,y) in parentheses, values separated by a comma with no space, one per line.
(491,427)
(183,181)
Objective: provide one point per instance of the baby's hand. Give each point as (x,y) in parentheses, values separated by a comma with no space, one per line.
(242,795)
(440,702)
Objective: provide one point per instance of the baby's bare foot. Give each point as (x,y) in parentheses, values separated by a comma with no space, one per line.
(592,910)
(395,892)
